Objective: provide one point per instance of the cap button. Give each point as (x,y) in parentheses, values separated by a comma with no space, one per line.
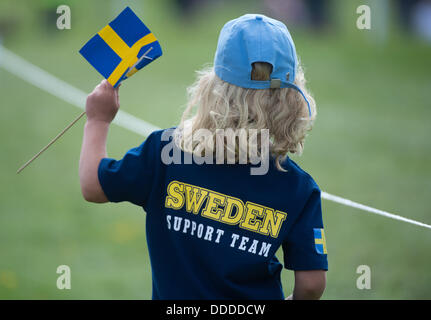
(258,17)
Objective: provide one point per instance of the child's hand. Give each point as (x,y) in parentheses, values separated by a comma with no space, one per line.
(103,103)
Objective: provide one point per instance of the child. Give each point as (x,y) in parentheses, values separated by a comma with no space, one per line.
(213,228)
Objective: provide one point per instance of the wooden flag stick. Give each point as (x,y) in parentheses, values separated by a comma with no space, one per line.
(49,144)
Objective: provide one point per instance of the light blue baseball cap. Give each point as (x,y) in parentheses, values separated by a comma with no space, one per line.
(256,38)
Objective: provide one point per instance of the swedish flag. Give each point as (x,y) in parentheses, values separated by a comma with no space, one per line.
(320,241)
(121,48)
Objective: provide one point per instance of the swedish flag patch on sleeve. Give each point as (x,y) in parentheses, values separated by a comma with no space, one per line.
(320,241)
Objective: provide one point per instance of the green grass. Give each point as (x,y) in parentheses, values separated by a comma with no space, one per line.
(370,144)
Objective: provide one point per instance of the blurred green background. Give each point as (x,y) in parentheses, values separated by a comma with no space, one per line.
(370,144)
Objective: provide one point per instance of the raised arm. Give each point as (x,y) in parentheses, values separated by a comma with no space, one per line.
(101,107)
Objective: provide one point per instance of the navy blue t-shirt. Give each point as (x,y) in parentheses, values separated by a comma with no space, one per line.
(213,229)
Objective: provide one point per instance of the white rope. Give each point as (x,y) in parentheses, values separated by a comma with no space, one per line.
(362,207)
(64,91)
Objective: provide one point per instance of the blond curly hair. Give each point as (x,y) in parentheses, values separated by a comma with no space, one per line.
(221,105)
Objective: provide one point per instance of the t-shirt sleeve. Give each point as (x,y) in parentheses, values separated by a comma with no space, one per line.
(131,178)
(305,246)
